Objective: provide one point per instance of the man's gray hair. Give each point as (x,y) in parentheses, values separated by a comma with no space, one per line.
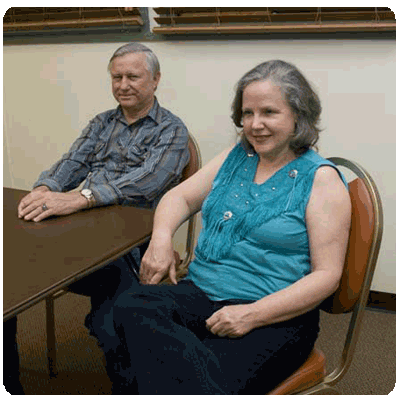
(297,92)
(135,47)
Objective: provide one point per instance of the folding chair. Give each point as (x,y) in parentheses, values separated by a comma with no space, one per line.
(352,294)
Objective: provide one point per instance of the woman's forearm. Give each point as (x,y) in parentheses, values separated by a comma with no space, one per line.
(172,211)
(297,299)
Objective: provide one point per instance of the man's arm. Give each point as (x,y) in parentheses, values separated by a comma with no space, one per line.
(47,199)
(74,166)
(144,183)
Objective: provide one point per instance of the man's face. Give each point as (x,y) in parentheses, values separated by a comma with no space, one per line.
(132,84)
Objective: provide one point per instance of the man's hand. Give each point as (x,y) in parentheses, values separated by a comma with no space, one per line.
(158,261)
(30,207)
(232,321)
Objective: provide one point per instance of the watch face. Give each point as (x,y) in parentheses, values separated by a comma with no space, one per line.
(86,192)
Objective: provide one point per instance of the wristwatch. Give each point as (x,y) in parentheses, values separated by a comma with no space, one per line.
(88,194)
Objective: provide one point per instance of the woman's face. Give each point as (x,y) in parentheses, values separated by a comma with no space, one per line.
(268,121)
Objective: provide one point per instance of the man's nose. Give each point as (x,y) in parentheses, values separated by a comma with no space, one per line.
(124,83)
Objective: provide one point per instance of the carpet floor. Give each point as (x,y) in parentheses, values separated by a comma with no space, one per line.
(80,362)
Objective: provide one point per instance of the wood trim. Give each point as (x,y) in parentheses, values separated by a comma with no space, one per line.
(248,20)
(72,23)
(243,29)
(271,16)
(382,300)
(41,18)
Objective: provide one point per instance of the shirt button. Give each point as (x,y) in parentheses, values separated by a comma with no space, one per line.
(227,215)
(245,169)
(293,173)
(241,184)
(247,202)
(250,155)
(236,196)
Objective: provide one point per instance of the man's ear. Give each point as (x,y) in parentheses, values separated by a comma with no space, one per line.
(156,80)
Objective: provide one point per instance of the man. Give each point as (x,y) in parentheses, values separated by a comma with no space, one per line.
(130,155)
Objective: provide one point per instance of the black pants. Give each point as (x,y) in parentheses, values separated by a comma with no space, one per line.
(155,342)
(11,358)
(103,284)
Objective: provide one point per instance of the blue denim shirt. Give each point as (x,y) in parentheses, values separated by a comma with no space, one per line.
(124,164)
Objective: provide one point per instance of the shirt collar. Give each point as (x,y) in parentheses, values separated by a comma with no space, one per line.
(155,112)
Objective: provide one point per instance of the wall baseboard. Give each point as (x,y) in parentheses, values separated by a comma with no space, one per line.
(382,300)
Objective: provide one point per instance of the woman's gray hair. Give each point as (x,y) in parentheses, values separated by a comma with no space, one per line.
(134,47)
(299,95)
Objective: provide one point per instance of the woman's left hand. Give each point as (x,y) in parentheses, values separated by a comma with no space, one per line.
(232,321)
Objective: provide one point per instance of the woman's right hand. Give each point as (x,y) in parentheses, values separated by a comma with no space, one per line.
(158,262)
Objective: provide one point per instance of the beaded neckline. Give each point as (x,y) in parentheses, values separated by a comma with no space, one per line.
(236,204)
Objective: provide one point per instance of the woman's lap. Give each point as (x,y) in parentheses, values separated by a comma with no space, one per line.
(161,340)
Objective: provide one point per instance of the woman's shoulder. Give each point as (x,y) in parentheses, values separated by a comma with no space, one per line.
(314,158)
(323,169)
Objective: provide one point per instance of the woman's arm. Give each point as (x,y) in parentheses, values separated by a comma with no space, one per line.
(328,218)
(176,207)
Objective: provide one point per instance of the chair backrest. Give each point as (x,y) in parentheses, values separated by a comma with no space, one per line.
(191,168)
(364,241)
(362,253)
(194,161)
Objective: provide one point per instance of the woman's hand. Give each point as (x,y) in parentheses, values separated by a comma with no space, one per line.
(232,321)
(158,261)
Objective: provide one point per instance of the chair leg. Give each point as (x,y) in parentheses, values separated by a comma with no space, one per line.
(320,389)
(51,337)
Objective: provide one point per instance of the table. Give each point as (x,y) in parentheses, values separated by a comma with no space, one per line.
(42,258)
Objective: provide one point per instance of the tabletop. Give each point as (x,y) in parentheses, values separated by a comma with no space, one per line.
(40,258)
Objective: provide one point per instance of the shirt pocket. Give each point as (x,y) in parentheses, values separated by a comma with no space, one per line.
(137,154)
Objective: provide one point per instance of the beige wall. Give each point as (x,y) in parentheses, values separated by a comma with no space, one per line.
(51,91)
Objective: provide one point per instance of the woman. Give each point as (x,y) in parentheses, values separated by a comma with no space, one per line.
(276,218)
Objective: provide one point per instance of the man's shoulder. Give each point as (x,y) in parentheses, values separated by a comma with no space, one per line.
(165,115)
(107,115)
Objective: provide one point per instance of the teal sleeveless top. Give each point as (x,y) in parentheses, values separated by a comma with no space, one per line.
(254,239)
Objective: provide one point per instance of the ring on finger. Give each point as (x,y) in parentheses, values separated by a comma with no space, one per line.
(45,207)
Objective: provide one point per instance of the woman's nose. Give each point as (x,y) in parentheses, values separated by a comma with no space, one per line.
(256,122)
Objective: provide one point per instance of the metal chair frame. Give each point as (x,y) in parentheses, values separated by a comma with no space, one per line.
(328,381)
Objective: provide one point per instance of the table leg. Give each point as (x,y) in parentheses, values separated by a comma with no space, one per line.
(51,337)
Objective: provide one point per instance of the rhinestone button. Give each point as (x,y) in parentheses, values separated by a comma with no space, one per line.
(273,188)
(250,155)
(227,215)
(293,173)
(241,184)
